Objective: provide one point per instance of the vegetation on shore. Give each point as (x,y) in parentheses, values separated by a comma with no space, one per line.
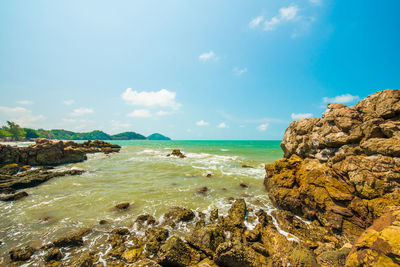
(14,132)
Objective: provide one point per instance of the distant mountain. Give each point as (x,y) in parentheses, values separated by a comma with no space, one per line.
(157,136)
(128,136)
(62,134)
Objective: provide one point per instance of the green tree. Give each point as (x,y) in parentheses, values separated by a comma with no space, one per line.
(15,130)
(31,133)
(4,133)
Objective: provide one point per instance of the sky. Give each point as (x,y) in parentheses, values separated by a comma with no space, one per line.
(188,69)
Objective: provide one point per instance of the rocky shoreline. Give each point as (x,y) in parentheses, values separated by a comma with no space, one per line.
(337,191)
(25,167)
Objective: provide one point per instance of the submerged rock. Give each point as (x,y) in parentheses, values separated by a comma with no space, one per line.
(14,197)
(21,253)
(53,254)
(72,240)
(122,206)
(177,153)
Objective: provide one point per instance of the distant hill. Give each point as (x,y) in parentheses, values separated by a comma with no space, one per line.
(157,136)
(128,136)
(93,135)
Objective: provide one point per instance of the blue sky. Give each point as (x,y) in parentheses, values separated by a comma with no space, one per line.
(223,69)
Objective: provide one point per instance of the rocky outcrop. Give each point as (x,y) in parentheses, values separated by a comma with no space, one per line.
(379,245)
(340,172)
(47,152)
(224,241)
(177,153)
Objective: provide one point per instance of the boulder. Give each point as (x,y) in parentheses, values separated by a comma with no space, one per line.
(72,240)
(178,214)
(53,254)
(14,197)
(177,153)
(379,245)
(175,252)
(21,253)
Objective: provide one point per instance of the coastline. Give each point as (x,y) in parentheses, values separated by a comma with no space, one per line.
(323,204)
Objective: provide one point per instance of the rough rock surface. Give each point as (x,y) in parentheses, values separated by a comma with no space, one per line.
(47,152)
(340,172)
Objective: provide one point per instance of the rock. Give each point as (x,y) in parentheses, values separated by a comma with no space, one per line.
(236,215)
(21,253)
(175,252)
(379,245)
(102,222)
(243,185)
(177,153)
(246,166)
(132,255)
(72,240)
(209,175)
(155,238)
(214,215)
(53,254)
(178,214)
(120,231)
(145,220)
(122,206)
(147,263)
(207,238)
(203,190)
(14,197)
(235,254)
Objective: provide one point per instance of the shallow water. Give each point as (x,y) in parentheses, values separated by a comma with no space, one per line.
(142,175)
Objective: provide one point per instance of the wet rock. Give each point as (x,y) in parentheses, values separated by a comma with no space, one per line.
(178,214)
(72,240)
(177,153)
(235,254)
(85,259)
(132,255)
(122,206)
(14,197)
(102,222)
(243,185)
(207,238)
(145,220)
(45,219)
(246,166)
(379,245)
(236,215)
(21,253)
(202,190)
(147,263)
(207,263)
(175,252)
(109,150)
(155,238)
(209,175)
(120,231)
(53,254)
(214,215)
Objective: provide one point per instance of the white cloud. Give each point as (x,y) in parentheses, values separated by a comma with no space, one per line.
(207,56)
(256,21)
(140,113)
(316,2)
(20,115)
(299,116)
(25,102)
(69,102)
(82,111)
(238,71)
(201,123)
(263,127)
(162,98)
(222,125)
(346,98)
(285,14)
(119,125)
(162,113)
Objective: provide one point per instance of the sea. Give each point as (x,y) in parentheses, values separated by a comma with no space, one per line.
(143,175)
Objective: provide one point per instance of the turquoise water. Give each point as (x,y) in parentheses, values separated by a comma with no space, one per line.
(144,176)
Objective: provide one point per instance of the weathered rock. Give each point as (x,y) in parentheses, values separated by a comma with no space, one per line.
(379,245)
(144,220)
(236,215)
(235,254)
(176,252)
(122,206)
(53,254)
(207,238)
(14,197)
(75,239)
(178,214)
(21,253)
(177,153)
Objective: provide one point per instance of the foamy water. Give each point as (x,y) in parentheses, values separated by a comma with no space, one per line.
(144,176)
